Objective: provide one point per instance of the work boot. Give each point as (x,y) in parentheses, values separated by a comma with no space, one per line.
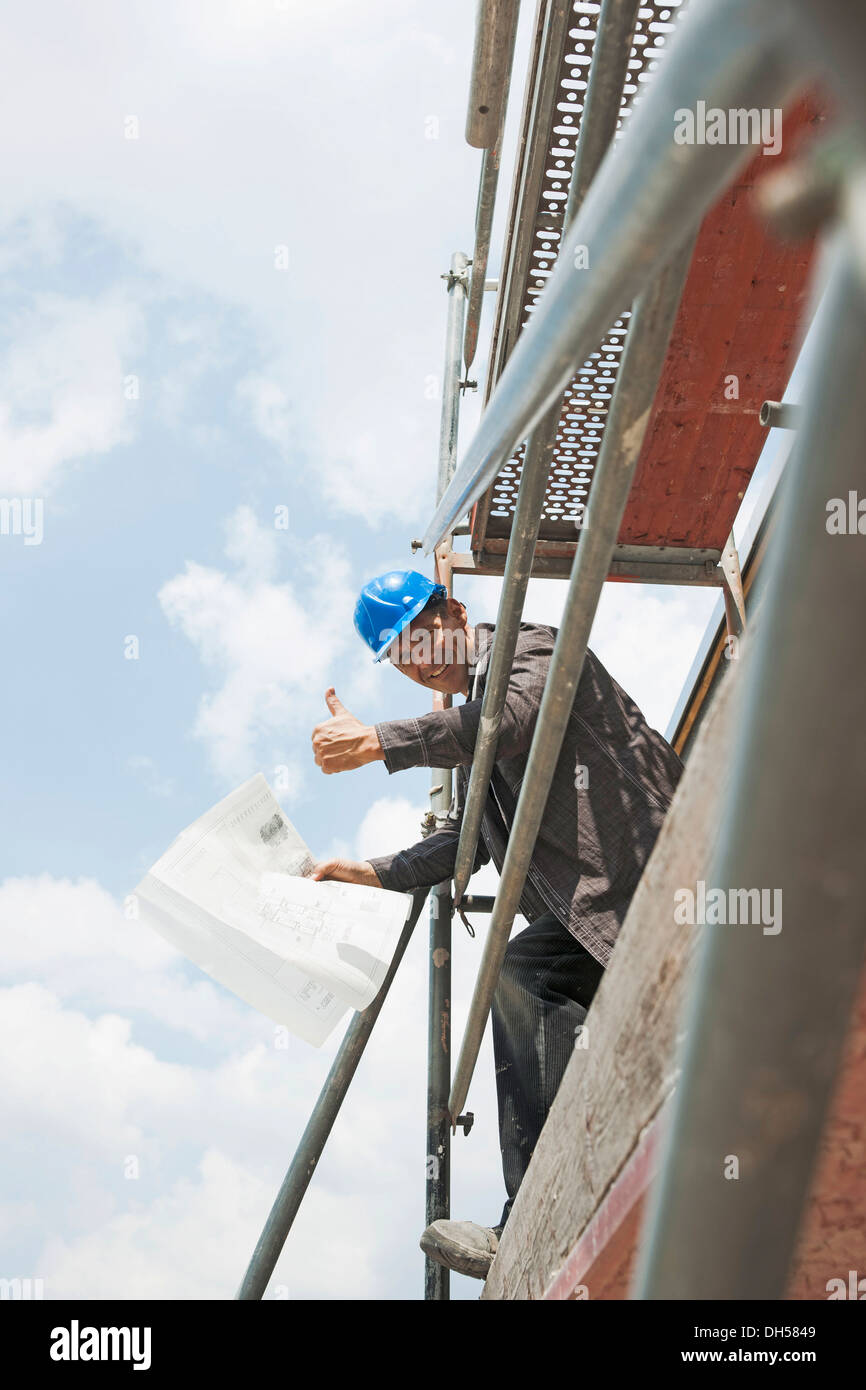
(462,1246)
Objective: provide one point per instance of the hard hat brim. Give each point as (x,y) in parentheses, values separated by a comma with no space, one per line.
(405,619)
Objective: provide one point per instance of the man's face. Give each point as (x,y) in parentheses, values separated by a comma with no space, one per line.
(433,650)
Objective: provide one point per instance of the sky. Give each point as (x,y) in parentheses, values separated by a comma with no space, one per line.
(224,226)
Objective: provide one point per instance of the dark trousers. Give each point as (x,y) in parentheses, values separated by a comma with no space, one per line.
(547,983)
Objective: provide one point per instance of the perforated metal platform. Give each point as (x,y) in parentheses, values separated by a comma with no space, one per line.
(741,315)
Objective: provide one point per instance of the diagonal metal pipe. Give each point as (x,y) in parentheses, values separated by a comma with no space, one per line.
(650,192)
(616,25)
(518,568)
(282,1215)
(637,382)
(603,100)
(770,1005)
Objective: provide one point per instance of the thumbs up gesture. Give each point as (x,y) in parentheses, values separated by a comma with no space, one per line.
(343,742)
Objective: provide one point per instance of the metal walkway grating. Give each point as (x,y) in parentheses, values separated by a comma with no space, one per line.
(565,41)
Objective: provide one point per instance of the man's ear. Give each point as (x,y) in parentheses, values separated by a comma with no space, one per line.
(456,609)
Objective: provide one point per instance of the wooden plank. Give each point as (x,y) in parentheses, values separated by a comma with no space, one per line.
(603,1255)
(742,314)
(576,1223)
(613,1089)
(833,1238)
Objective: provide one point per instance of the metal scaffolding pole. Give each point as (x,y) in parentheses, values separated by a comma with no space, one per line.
(650,192)
(438,1155)
(637,381)
(319,1126)
(495,37)
(495,33)
(518,568)
(835,30)
(778,415)
(616,25)
(483,226)
(449,417)
(551,40)
(769,1009)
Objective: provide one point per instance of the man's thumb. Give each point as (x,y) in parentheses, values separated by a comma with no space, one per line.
(334,705)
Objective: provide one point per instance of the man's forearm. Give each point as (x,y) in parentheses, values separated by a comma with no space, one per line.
(425,864)
(348,871)
(429,862)
(442,738)
(446,738)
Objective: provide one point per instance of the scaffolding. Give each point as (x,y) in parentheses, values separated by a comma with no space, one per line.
(608,451)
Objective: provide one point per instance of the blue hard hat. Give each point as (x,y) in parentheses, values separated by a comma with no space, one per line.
(389,603)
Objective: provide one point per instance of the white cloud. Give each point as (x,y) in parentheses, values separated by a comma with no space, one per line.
(271,645)
(373,467)
(391,823)
(84,948)
(183,1226)
(645,635)
(262,124)
(252,547)
(270,409)
(49,924)
(193,1241)
(388,470)
(212,1139)
(62,386)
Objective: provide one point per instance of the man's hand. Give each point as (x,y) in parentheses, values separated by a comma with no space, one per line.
(342,742)
(347,871)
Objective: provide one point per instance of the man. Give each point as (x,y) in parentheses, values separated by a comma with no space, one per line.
(613,783)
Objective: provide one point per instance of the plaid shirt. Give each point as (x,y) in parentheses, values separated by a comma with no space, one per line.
(613,783)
